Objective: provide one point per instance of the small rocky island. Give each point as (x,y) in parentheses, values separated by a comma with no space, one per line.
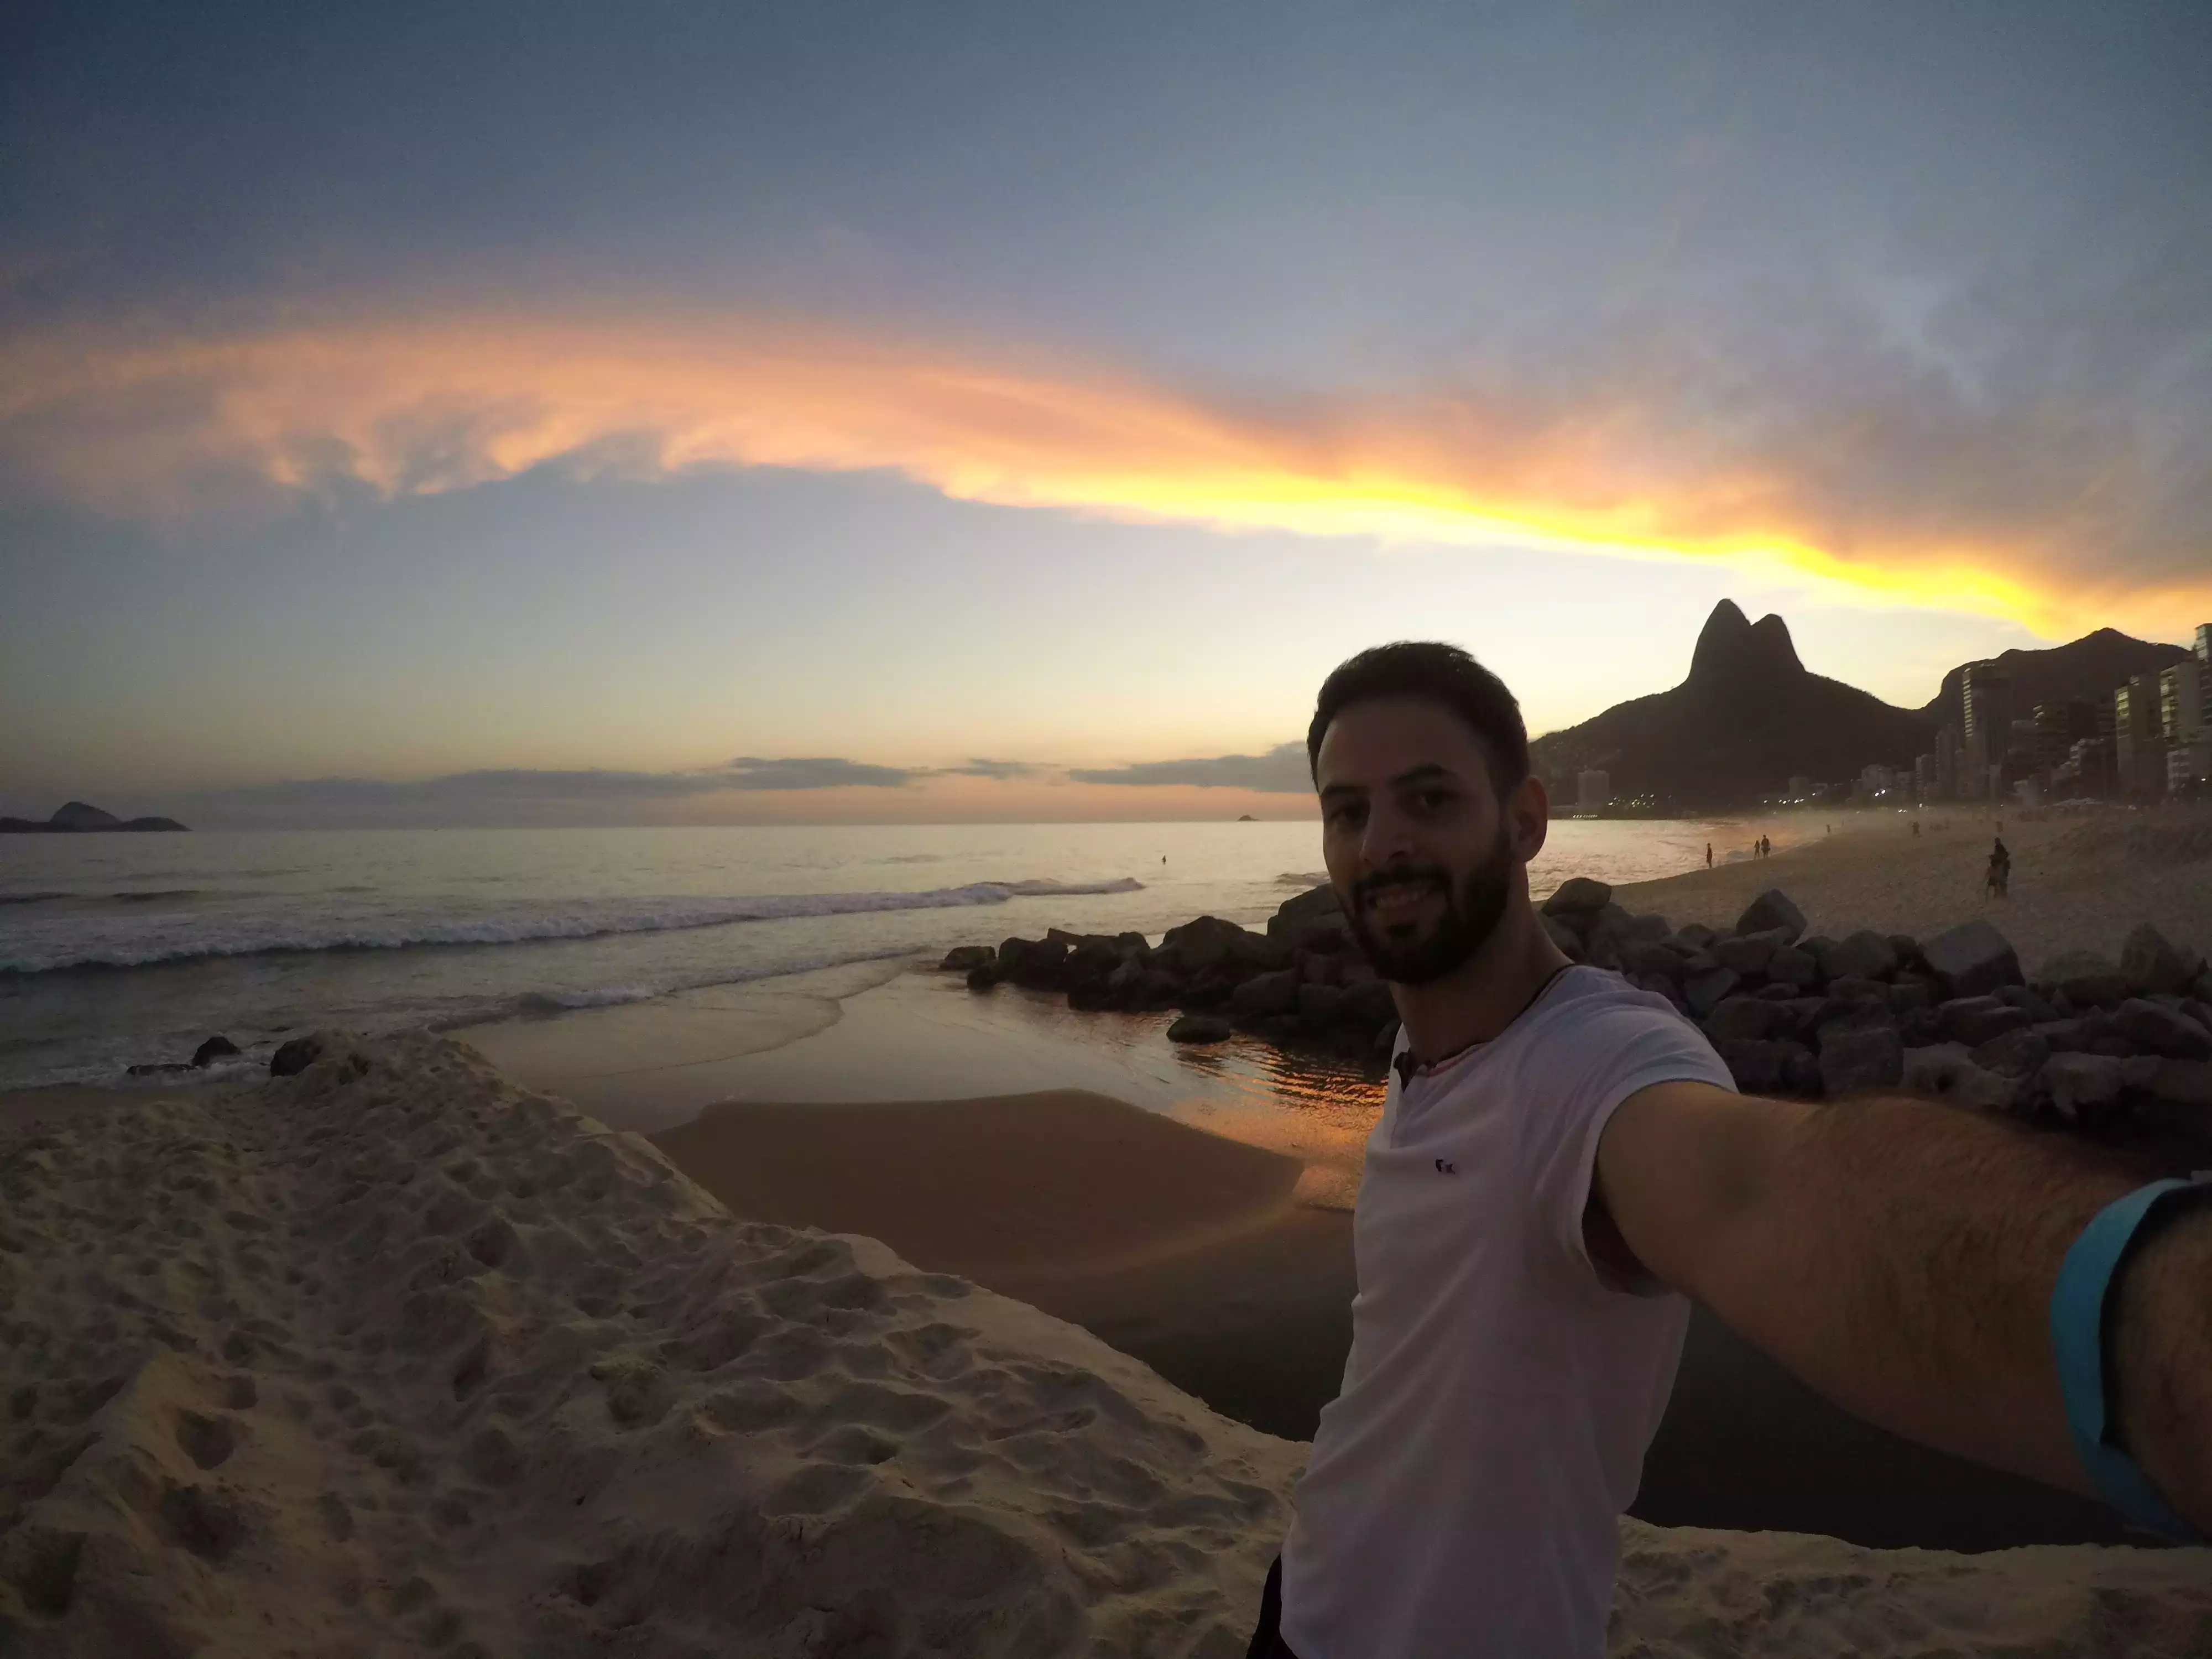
(76,818)
(2089,1043)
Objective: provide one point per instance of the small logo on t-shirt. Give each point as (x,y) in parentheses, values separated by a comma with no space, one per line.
(1443,1168)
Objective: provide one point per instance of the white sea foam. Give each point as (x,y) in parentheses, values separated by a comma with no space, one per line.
(264,931)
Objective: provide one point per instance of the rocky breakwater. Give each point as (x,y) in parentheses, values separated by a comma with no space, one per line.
(2088,1041)
(1302,982)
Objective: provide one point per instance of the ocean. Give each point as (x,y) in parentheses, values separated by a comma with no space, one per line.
(117,950)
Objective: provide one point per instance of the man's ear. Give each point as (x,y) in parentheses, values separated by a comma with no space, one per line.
(1529,809)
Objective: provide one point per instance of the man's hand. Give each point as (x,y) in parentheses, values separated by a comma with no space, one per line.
(1899,1255)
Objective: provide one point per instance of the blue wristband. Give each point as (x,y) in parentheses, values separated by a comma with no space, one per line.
(2078,1315)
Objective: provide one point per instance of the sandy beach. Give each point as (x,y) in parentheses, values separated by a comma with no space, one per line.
(2078,883)
(397,1355)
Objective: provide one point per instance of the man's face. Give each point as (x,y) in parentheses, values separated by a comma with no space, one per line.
(1422,853)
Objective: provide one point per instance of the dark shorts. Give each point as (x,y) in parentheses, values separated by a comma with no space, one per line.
(1268,1640)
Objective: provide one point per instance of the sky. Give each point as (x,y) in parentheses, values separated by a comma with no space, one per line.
(562,414)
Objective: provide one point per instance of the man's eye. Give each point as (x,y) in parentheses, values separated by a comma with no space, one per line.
(1434,799)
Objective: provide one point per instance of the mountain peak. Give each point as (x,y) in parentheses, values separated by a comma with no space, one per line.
(1731,647)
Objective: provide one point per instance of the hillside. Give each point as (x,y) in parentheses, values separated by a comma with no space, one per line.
(75,818)
(2090,667)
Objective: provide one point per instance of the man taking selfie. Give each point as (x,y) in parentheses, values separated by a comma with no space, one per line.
(1563,1162)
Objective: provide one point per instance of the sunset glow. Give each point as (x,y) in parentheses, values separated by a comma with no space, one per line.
(171,426)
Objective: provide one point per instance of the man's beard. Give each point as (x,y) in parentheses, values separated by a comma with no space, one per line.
(1470,915)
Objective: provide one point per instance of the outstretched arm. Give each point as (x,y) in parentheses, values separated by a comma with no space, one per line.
(1900,1256)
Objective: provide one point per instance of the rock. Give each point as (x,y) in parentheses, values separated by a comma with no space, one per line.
(1791,966)
(1039,963)
(965,959)
(1946,1072)
(2183,1083)
(1199,1027)
(2082,976)
(1263,996)
(1971,959)
(1859,1057)
(1975,1020)
(1759,1067)
(1315,904)
(1771,910)
(1565,936)
(1694,936)
(1741,1019)
(1646,930)
(1368,1004)
(1651,960)
(1853,987)
(2150,965)
(1708,990)
(214,1048)
(1748,953)
(1907,949)
(294,1057)
(1865,955)
(983,979)
(2063,1035)
(1578,894)
(2016,1054)
(2083,1089)
(1210,944)
(1817,947)
(1320,1006)
(2162,1030)
(1909,992)
(2202,989)
(155,1068)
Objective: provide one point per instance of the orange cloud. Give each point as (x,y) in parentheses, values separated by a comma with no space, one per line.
(170,423)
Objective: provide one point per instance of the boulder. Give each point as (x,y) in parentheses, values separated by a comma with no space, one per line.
(1578,894)
(1199,1028)
(2016,1053)
(1708,990)
(1741,1018)
(1209,944)
(1320,1006)
(1040,963)
(1651,960)
(2151,965)
(2183,1083)
(1791,966)
(1907,949)
(985,978)
(2162,1030)
(1909,992)
(1694,936)
(2083,1089)
(1771,911)
(1264,996)
(2084,978)
(1859,1057)
(215,1047)
(1368,1004)
(1314,905)
(1865,955)
(1565,936)
(1802,1076)
(1748,953)
(1975,1020)
(1854,988)
(1971,959)
(966,958)
(1946,1072)
(294,1057)
(2064,1036)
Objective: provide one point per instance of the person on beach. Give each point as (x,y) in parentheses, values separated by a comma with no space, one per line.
(1709,855)
(1998,879)
(1563,1162)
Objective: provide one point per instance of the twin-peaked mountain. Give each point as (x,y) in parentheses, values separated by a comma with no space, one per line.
(75,818)
(1750,716)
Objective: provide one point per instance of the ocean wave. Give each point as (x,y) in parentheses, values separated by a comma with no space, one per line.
(562,1002)
(262,935)
(1311,878)
(30,898)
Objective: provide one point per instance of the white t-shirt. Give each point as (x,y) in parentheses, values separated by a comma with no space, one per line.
(1464,1492)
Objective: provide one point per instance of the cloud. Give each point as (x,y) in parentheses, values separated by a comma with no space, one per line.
(747,773)
(997,770)
(2050,462)
(1281,771)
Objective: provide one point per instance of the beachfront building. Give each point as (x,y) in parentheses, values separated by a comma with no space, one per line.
(1593,790)
(1923,777)
(1946,763)
(2138,747)
(2086,771)
(1986,693)
(1876,781)
(2181,700)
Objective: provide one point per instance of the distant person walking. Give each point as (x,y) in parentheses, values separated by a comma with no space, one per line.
(1709,855)
(1997,881)
(1563,1165)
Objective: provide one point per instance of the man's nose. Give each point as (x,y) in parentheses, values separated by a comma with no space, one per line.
(1388,838)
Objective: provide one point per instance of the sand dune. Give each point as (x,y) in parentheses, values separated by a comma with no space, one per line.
(396,1356)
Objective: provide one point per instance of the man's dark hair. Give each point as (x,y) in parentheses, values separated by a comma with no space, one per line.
(1438,673)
